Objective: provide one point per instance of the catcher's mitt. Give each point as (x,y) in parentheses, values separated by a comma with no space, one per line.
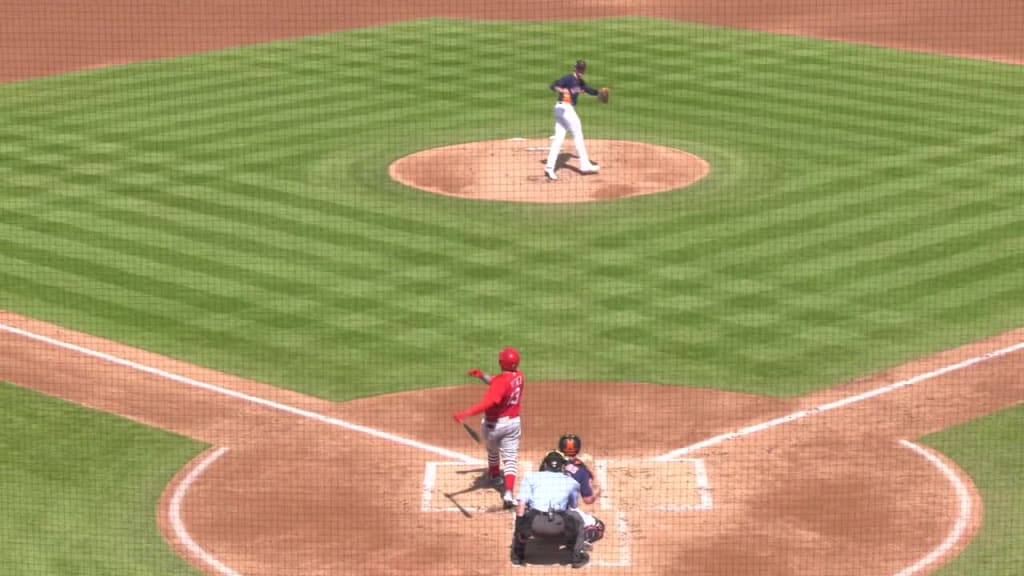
(603,94)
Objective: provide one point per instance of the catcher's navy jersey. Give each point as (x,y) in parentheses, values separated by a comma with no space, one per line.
(574,84)
(581,474)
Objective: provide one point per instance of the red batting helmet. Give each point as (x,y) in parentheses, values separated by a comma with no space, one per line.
(508,359)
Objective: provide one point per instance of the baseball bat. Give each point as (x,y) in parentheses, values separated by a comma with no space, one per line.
(472,433)
(457,505)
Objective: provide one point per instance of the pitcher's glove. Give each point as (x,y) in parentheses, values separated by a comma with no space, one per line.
(603,94)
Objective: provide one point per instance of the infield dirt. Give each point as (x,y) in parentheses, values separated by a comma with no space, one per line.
(294,485)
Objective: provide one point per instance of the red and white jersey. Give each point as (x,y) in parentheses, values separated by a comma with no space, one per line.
(503,397)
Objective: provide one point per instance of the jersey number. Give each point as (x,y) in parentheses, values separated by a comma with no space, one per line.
(517,391)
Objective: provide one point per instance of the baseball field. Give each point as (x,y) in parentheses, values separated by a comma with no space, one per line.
(786,317)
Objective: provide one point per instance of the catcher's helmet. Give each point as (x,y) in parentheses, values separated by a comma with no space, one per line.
(508,359)
(581,66)
(553,461)
(570,444)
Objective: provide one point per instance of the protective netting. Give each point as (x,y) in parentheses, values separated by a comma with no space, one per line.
(257,260)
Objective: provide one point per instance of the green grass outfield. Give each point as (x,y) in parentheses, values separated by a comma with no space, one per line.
(79,490)
(233,209)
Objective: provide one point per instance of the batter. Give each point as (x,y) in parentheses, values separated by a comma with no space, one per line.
(500,429)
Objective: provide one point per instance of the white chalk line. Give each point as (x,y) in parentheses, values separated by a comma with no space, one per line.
(330,421)
(965,509)
(174,513)
(624,552)
(178,525)
(430,480)
(182,533)
(963,516)
(703,484)
(747,431)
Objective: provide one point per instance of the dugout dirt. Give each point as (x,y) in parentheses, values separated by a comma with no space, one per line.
(277,493)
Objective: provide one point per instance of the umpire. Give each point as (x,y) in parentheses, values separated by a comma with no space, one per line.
(546,499)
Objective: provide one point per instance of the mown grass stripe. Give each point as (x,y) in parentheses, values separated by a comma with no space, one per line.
(805,171)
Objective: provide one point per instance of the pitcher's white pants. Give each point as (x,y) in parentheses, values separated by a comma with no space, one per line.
(566,119)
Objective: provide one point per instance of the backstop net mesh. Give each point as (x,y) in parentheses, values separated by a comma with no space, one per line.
(259,261)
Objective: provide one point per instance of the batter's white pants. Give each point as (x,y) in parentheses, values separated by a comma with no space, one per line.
(501,439)
(566,119)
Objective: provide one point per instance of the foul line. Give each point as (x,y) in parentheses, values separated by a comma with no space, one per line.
(747,431)
(174,512)
(965,506)
(242,396)
(179,526)
(965,510)
(961,520)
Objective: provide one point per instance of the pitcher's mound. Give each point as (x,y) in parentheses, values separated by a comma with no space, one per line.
(513,170)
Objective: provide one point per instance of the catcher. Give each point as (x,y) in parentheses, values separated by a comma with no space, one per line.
(578,465)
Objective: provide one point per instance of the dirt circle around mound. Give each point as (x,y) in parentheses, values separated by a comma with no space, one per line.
(513,170)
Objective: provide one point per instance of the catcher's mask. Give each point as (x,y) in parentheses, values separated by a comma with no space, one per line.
(508,359)
(570,444)
(553,461)
(581,66)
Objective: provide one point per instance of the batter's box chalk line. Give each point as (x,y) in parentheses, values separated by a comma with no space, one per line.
(433,469)
(619,553)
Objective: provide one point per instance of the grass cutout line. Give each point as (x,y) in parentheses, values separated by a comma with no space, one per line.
(174,513)
(963,515)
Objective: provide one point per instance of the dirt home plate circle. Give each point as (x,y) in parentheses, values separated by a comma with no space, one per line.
(697,481)
(513,171)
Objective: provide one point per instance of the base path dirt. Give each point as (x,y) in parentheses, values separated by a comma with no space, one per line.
(698,481)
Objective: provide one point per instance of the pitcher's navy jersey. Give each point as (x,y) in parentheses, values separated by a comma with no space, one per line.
(574,84)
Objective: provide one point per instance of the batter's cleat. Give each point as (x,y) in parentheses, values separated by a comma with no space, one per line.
(580,560)
(592,169)
(550,173)
(508,500)
(497,481)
